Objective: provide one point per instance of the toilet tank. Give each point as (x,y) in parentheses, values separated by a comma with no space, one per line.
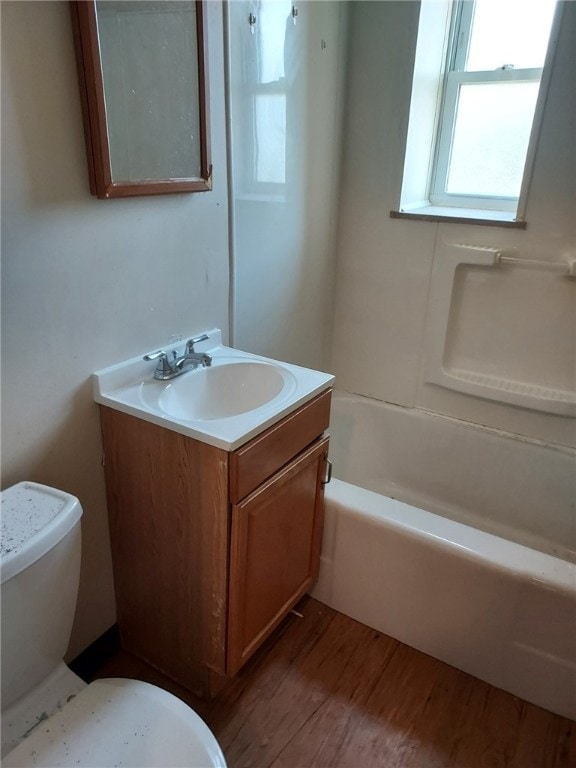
(39,573)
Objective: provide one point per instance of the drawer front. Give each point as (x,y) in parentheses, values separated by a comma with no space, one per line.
(256,461)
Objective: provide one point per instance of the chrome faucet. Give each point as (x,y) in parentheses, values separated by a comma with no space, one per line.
(168,369)
(193,359)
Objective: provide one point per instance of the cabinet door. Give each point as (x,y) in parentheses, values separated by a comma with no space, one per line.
(275,554)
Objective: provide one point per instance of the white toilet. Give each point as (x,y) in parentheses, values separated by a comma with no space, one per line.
(50,717)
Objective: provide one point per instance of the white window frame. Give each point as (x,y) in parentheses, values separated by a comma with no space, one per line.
(435,52)
(455,77)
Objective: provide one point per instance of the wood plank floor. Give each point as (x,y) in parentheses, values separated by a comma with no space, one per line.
(328,691)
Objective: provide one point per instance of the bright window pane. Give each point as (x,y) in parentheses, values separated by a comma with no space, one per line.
(270,138)
(493,123)
(271,29)
(509,32)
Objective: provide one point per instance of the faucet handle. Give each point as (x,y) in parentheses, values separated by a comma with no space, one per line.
(155,355)
(190,343)
(163,367)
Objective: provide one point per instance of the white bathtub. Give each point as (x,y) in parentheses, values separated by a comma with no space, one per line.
(470,561)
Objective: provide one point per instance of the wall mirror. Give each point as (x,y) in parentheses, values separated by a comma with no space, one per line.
(143,79)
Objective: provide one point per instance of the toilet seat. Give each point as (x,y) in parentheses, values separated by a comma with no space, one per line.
(117,722)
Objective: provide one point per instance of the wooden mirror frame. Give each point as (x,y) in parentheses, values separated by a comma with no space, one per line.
(90,77)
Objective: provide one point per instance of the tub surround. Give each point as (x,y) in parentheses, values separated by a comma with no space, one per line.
(511,327)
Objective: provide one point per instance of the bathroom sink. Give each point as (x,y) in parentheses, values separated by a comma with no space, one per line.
(228,388)
(225,405)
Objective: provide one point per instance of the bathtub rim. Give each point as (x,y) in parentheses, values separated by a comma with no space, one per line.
(443,533)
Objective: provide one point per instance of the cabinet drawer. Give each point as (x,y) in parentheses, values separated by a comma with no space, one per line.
(256,461)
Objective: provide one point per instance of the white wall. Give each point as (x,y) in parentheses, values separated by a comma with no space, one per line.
(87,282)
(384,268)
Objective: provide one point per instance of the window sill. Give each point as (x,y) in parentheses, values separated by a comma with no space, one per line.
(439,214)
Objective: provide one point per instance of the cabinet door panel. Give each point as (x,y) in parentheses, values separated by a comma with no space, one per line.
(276,536)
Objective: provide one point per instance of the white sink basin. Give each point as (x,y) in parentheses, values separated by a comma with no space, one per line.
(228,388)
(225,405)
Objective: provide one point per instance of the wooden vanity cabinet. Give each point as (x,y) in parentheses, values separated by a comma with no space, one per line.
(211,549)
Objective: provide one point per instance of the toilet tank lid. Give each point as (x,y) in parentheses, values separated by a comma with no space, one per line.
(34,518)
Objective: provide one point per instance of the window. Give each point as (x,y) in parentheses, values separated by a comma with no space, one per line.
(490,59)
